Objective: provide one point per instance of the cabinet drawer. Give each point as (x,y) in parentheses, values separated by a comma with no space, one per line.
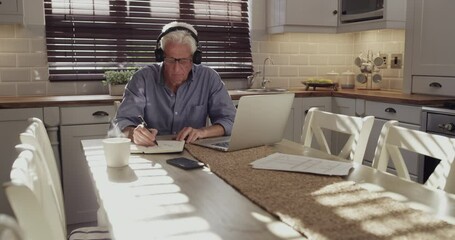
(390,111)
(433,85)
(86,115)
(9,6)
(20,114)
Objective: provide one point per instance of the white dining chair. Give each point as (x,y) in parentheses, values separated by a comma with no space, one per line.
(9,228)
(35,204)
(36,135)
(357,128)
(394,138)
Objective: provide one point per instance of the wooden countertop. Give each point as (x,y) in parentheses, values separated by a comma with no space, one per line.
(56,101)
(373,95)
(87,100)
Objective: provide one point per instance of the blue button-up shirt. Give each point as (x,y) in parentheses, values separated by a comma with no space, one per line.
(202,94)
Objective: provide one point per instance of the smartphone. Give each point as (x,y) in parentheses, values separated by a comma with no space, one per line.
(185,163)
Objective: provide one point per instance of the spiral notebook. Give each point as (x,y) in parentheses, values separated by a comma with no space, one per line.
(164,146)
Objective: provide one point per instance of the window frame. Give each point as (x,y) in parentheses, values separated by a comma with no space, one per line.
(80,49)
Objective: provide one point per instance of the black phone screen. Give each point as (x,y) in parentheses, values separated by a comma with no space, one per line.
(185,163)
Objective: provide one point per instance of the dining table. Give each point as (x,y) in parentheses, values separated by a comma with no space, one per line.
(229,199)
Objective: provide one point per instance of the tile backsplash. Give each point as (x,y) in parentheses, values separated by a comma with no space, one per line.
(23,66)
(295,56)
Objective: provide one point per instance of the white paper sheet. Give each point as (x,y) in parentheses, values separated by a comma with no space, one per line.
(164,146)
(296,163)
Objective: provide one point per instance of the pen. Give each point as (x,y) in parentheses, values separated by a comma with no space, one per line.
(145,125)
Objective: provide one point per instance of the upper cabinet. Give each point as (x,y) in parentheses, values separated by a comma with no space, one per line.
(11,11)
(302,16)
(430,62)
(323,16)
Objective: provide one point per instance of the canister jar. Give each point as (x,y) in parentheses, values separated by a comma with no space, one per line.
(333,76)
(347,80)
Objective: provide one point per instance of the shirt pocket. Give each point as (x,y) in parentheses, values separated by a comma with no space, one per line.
(198,116)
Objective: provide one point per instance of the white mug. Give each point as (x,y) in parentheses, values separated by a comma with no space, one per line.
(117,151)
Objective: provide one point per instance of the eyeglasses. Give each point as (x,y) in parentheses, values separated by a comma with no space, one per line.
(183,61)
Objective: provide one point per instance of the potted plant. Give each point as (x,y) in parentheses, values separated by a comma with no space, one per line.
(116,80)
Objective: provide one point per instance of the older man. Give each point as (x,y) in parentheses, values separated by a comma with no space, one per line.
(175,96)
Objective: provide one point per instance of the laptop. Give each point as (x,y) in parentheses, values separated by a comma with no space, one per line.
(260,120)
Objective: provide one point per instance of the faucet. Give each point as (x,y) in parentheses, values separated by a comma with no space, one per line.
(251,78)
(265,81)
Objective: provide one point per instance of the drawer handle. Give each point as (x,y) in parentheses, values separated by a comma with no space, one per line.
(435,85)
(390,110)
(100,114)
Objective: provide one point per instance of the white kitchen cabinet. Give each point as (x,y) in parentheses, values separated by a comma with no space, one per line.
(295,122)
(324,104)
(346,106)
(79,123)
(12,123)
(302,16)
(11,11)
(394,18)
(430,63)
(408,116)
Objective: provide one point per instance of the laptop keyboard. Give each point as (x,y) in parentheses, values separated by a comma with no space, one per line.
(222,144)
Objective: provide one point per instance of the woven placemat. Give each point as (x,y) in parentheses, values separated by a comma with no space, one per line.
(321,207)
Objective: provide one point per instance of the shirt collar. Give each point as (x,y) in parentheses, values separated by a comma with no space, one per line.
(189,79)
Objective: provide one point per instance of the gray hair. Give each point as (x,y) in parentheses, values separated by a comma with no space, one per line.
(179,36)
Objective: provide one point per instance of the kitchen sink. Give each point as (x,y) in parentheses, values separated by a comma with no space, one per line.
(268,90)
(259,91)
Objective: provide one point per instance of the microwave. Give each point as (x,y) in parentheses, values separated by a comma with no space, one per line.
(361,10)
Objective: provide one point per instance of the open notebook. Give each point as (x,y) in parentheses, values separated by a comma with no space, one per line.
(260,120)
(164,146)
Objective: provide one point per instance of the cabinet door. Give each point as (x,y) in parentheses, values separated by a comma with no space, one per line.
(432,44)
(301,16)
(346,106)
(294,126)
(79,196)
(12,123)
(311,13)
(11,11)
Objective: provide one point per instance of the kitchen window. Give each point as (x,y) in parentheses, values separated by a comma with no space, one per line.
(85,38)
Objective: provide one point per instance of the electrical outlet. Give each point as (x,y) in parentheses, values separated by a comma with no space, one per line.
(396,60)
(385,59)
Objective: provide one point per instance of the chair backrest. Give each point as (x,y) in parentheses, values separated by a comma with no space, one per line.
(32,198)
(357,128)
(393,138)
(36,135)
(9,228)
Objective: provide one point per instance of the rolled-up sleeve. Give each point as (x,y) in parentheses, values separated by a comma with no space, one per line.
(133,102)
(221,109)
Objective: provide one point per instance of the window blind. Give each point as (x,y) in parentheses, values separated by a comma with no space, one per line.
(85,38)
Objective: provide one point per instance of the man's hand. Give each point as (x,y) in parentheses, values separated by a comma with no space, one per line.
(190,134)
(144,136)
